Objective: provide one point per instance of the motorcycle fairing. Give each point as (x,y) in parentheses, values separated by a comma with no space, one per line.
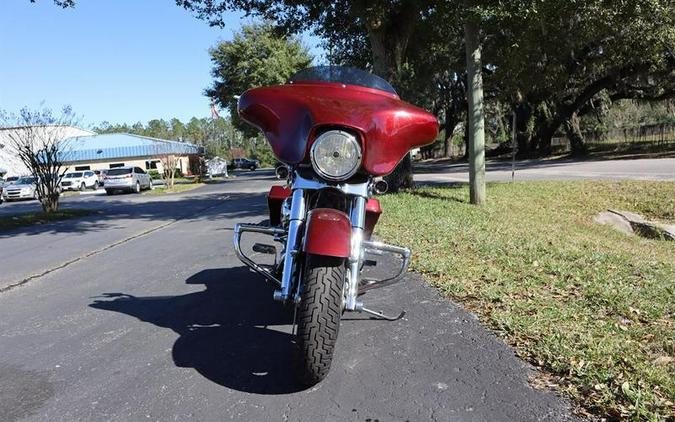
(290,114)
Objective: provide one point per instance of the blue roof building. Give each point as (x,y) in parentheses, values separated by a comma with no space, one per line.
(98,152)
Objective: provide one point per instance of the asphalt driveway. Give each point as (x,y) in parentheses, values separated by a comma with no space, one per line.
(154,318)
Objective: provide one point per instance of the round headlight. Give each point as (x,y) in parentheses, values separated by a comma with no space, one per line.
(336,155)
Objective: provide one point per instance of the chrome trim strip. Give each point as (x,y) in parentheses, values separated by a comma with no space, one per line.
(358,189)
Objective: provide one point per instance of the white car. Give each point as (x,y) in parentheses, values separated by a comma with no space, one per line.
(22,188)
(129,179)
(80,180)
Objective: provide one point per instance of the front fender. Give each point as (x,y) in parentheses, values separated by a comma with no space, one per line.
(328,232)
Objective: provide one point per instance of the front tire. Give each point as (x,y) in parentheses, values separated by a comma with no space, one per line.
(318,316)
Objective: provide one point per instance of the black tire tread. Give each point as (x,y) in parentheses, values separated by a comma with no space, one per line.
(318,316)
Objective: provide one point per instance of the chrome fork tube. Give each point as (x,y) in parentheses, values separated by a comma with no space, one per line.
(297,217)
(358,220)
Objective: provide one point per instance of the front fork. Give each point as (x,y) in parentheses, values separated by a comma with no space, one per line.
(294,247)
(358,220)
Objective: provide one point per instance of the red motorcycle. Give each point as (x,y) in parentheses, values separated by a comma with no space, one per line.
(337,130)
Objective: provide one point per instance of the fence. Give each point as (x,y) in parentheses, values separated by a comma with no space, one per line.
(656,137)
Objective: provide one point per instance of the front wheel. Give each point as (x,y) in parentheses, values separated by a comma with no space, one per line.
(318,316)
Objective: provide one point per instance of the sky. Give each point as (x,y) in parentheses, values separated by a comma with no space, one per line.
(120,61)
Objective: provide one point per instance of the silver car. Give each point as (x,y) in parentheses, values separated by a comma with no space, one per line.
(22,188)
(129,179)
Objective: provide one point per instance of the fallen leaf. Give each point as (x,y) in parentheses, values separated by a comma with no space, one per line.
(663,360)
(625,387)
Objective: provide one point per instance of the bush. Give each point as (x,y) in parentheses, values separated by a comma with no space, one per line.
(177,173)
(155,174)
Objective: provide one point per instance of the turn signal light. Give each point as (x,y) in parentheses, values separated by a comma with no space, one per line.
(381,187)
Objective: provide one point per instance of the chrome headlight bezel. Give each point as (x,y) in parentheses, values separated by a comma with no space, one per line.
(348,137)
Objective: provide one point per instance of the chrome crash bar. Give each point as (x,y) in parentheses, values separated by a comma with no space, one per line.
(378,248)
(241,228)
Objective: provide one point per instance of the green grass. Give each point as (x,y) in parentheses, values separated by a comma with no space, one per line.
(591,306)
(174,189)
(10,222)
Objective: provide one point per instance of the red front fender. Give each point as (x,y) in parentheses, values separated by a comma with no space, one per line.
(328,233)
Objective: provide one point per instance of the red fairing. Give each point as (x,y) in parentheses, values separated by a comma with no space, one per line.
(274,200)
(328,233)
(373,211)
(290,114)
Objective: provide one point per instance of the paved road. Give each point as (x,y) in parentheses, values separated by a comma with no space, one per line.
(168,325)
(500,171)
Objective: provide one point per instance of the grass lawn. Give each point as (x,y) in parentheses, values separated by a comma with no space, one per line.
(10,222)
(593,307)
(175,189)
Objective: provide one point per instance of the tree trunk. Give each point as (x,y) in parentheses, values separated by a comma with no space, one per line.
(389,38)
(450,123)
(523,136)
(476,115)
(51,203)
(573,132)
(545,135)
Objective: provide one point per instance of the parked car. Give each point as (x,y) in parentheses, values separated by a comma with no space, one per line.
(129,179)
(21,188)
(244,163)
(79,180)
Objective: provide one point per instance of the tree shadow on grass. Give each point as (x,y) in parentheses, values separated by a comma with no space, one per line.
(232,332)
(433,195)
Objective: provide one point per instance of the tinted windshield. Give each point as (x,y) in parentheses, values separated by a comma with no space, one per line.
(117,172)
(71,175)
(25,181)
(342,74)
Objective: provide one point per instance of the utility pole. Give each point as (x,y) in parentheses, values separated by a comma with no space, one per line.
(476,118)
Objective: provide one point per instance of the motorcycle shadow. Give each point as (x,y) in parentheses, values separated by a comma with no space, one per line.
(232,332)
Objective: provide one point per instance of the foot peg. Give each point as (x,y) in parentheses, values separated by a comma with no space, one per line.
(266,249)
(382,315)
